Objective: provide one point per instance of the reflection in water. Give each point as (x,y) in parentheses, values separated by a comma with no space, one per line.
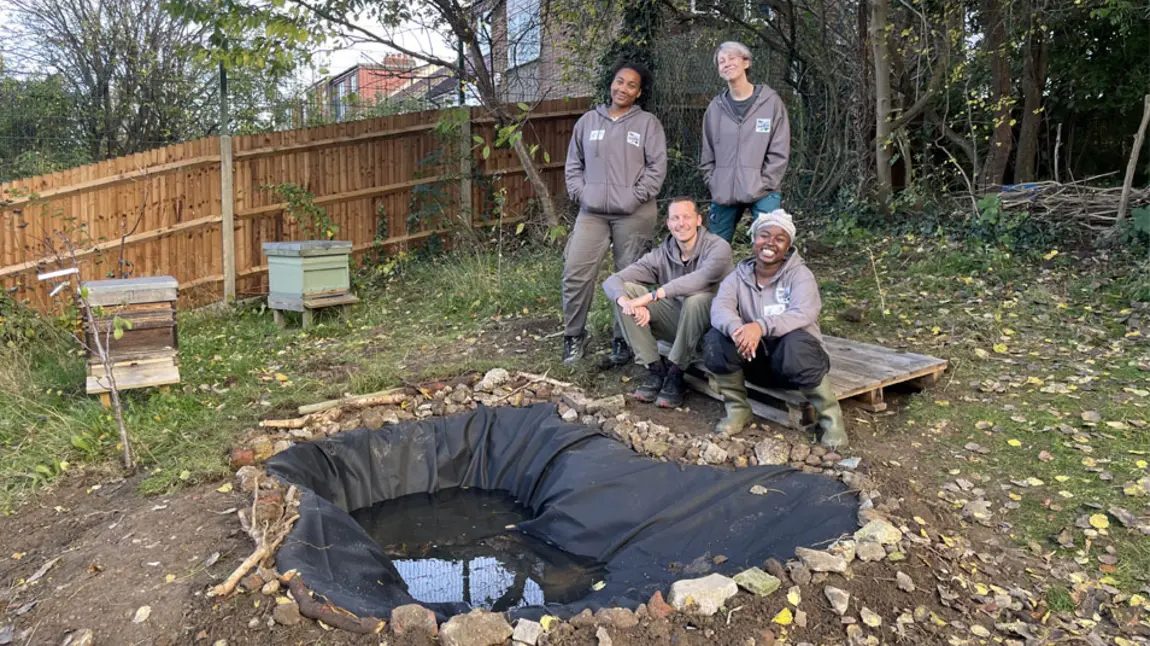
(455,546)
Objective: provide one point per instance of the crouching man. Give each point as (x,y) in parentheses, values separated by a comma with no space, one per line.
(666,294)
(765,328)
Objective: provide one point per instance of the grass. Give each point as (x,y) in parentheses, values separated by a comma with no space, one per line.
(1033,342)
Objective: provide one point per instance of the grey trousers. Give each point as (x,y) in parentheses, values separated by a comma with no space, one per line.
(681,323)
(629,235)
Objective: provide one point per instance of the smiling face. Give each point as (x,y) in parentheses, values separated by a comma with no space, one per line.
(732,66)
(771,245)
(683,220)
(626,88)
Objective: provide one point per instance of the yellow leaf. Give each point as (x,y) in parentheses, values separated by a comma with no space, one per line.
(1034,482)
(1015,497)
(1062,478)
(1118,426)
(919,520)
(794,597)
(935,330)
(1035,380)
(1050,254)
(281,376)
(169,578)
(1099,521)
(185,474)
(18,555)
(226,488)
(1137,600)
(1065,494)
(1000,348)
(1008,332)
(1141,464)
(1013,442)
(1089,462)
(942,402)
(980,353)
(784,618)
(549,621)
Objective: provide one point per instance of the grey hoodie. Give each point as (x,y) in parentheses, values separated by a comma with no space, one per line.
(708,264)
(790,302)
(616,166)
(744,160)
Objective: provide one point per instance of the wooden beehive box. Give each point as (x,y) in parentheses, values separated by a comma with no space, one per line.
(304,271)
(147,354)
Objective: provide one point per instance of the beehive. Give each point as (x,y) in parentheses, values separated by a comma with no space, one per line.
(308,275)
(147,353)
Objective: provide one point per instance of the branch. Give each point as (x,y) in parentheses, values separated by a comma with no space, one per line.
(312,608)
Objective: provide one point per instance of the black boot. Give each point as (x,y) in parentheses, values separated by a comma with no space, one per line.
(652,383)
(574,347)
(621,353)
(671,395)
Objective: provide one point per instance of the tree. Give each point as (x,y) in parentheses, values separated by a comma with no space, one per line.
(291,28)
(38,131)
(879,27)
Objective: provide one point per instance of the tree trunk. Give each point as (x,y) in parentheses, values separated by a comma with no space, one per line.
(550,215)
(865,99)
(877,32)
(1001,96)
(1033,82)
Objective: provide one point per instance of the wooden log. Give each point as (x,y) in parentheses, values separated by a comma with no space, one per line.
(329,614)
(381,398)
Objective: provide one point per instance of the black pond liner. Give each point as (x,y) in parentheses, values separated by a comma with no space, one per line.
(590,495)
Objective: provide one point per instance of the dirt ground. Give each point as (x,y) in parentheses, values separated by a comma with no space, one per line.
(111,553)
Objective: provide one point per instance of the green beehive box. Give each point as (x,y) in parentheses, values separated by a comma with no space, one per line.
(306,271)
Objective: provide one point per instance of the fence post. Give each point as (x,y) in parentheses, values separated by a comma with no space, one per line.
(227,195)
(465,179)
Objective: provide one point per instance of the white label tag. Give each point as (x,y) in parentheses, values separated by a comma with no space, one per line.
(762,125)
(633,138)
(773,310)
(597,135)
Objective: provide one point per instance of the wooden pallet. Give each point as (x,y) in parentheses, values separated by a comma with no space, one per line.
(309,305)
(859,374)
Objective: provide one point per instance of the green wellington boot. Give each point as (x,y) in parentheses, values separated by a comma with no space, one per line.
(833,429)
(734,392)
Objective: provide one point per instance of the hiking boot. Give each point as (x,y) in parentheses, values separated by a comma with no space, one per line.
(832,429)
(621,353)
(671,395)
(574,347)
(653,381)
(734,392)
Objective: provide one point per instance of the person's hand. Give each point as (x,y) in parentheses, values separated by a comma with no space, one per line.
(625,306)
(642,315)
(747,340)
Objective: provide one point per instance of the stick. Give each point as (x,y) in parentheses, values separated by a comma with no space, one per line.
(538,379)
(545,379)
(323,611)
(298,422)
(352,400)
(1132,165)
(1057,146)
(881,298)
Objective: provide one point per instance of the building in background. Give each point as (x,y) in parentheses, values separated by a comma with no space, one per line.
(399,84)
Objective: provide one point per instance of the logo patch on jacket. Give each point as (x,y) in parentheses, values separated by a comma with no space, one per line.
(597,135)
(762,125)
(783,294)
(774,310)
(633,138)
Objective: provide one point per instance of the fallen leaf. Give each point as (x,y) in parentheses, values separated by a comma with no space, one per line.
(1045,456)
(784,618)
(1091,416)
(1013,442)
(226,488)
(1099,521)
(999,348)
(142,614)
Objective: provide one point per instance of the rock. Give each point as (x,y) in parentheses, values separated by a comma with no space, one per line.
(493,379)
(527,632)
(870,617)
(83,637)
(771,451)
(868,551)
(242,457)
(799,452)
(413,618)
(757,582)
(287,614)
(818,561)
(657,448)
(776,569)
(850,464)
(800,574)
(461,395)
(702,596)
(477,628)
(262,448)
(281,446)
(840,599)
(584,619)
(813,460)
(880,531)
(845,549)
(905,583)
(570,416)
(612,404)
(658,607)
(712,454)
(621,618)
(576,400)
(142,614)
(271,588)
(800,618)
(249,478)
(603,636)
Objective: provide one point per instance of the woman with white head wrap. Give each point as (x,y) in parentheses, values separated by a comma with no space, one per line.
(765,328)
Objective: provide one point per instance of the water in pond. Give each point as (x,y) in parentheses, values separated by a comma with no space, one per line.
(455,546)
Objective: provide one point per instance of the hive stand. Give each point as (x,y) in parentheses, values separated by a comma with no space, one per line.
(306,276)
(859,374)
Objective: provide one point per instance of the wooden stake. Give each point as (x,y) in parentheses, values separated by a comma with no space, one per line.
(1132,165)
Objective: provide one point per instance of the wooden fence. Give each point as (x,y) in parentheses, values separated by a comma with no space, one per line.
(167,209)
